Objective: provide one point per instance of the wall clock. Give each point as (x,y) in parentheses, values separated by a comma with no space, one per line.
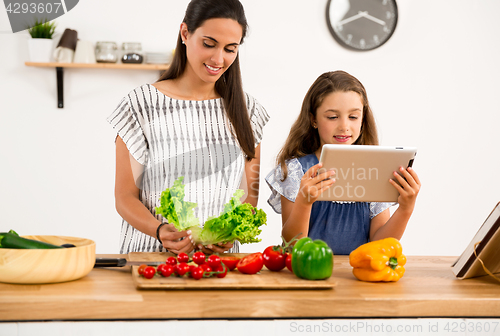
(362,24)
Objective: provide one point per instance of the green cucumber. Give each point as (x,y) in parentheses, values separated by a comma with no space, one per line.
(13,241)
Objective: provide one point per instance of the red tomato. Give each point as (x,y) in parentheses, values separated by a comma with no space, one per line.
(141,268)
(181,269)
(182,257)
(213,261)
(149,272)
(289,262)
(167,270)
(222,271)
(160,268)
(171,261)
(230,261)
(191,268)
(197,273)
(251,263)
(274,258)
(206,268)
(199,258)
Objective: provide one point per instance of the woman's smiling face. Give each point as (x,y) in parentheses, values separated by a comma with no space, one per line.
(212,48)
(339,118)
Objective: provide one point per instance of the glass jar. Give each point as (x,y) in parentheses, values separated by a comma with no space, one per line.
(106,52)
(132,52)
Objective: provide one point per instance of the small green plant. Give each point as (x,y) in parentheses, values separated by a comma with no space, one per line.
(42,29)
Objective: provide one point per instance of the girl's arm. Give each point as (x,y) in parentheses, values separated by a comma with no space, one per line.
(295,215)
(383,225)
(295,219)
(131,209)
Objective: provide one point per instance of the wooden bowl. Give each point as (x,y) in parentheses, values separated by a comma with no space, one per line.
(30,266)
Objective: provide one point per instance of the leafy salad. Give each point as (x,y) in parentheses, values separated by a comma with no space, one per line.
(238,221)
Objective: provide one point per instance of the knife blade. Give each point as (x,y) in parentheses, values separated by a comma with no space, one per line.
(121,262)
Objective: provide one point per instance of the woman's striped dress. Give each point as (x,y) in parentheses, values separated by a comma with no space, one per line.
(173,138)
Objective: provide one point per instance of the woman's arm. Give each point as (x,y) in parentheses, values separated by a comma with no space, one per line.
(131,209)
(252,174)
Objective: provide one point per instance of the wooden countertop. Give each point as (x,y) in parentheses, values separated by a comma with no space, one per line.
(428,289)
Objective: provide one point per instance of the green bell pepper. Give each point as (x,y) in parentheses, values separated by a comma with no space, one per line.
(312,260)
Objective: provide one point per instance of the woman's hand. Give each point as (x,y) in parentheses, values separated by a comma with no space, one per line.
(408,188)
(215,248)
(313,184)
(175,241)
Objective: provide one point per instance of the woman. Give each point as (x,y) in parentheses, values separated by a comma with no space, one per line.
(196,122)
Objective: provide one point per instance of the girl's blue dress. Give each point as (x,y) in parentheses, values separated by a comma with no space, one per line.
(342,225)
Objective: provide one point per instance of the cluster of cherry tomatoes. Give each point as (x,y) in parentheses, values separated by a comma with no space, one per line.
(205,267)
(275,258)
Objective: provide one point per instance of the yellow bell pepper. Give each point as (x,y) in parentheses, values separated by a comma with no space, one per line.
(380,260)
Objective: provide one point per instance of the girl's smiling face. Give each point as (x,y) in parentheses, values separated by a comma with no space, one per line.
(212,48)
(339,118)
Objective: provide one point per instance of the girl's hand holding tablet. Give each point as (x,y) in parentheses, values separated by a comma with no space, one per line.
(313,184)
(408,185)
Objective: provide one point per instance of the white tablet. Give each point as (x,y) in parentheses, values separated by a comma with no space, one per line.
(362,173)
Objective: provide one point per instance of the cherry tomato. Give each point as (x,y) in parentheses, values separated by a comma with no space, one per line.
(230,261)
(141,268)
(222,271)
(181,269)
(213,261)
(288,262)
(274,258)
(251,263)
(191,268)
(149,272)
(197,273)
(160,268)
(206,268)
(171,261)
(167,270)
(182,257)
(199,258)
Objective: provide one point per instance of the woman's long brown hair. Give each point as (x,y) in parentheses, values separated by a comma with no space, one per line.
(303,138)
(229,85)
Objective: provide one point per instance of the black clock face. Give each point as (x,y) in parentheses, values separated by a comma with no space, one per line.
(362,24)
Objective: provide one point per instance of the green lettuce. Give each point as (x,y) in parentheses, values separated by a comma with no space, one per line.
(238,221)
(175,209)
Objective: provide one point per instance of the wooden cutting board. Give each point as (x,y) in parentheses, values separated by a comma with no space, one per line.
(265,279)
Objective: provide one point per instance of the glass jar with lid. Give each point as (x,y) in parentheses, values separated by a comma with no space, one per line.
(132,52)
(106,52)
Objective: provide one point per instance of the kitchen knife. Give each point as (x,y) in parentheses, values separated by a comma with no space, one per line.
(120,262)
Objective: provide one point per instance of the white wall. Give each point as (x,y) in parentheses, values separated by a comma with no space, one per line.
(433,85)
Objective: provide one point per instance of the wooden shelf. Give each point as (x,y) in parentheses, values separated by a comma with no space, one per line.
(100,65)
(60,72)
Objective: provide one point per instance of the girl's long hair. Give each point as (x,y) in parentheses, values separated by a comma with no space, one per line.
(304,138)
(229,85)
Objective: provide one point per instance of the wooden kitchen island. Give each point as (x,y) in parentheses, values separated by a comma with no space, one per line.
(428,289)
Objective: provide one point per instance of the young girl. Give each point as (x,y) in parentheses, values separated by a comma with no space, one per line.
(335,111)
(195,122)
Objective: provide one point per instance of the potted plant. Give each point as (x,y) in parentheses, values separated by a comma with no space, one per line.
(40,44)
